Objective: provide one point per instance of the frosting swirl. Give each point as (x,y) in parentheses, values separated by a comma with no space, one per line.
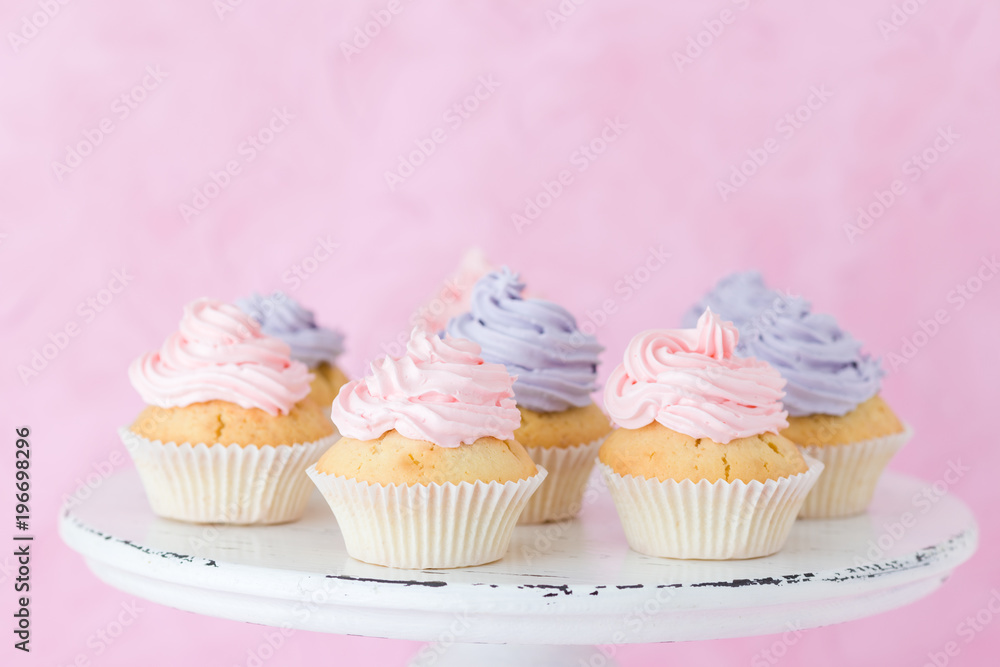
(826,370)
(282,317)
(690,381)
(538,341)
(739,297)
(439,390)
(219,353)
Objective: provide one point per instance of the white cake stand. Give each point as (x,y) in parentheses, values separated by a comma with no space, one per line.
(561,589)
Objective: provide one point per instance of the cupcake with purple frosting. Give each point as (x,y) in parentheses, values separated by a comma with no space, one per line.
(555,365)
(835,412)
(317,347)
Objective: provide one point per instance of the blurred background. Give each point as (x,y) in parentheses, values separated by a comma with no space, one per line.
(349,153)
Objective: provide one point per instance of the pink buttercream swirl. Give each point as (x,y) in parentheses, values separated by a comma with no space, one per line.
(439,390)
(689,381)
(219,353)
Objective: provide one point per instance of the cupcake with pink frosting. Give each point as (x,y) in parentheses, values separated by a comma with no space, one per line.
(428,473)
(698,468)
(227,432)
(318,347)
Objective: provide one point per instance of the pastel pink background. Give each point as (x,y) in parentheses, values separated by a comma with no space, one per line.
(655,185)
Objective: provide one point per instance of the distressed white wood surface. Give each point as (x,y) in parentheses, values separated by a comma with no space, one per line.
(570,583)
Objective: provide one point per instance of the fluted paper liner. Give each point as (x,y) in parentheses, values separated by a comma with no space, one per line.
(216,483)
(852,473)
(708,520)
(560,496)
(426,525)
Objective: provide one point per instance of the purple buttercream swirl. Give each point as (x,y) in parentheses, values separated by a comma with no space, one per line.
(739,297)
(284,318)
(826,370)
(538,341)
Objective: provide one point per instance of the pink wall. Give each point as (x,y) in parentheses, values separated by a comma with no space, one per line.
(197,84)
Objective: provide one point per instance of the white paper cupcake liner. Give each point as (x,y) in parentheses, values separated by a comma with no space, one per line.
(852,473)
(717,521)
(560,496)
(426,525)
(225,483)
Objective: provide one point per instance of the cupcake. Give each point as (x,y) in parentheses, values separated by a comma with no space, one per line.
(832,393)
(698,468)
(428,473)
(555,366)
(317,347)
(228,431)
